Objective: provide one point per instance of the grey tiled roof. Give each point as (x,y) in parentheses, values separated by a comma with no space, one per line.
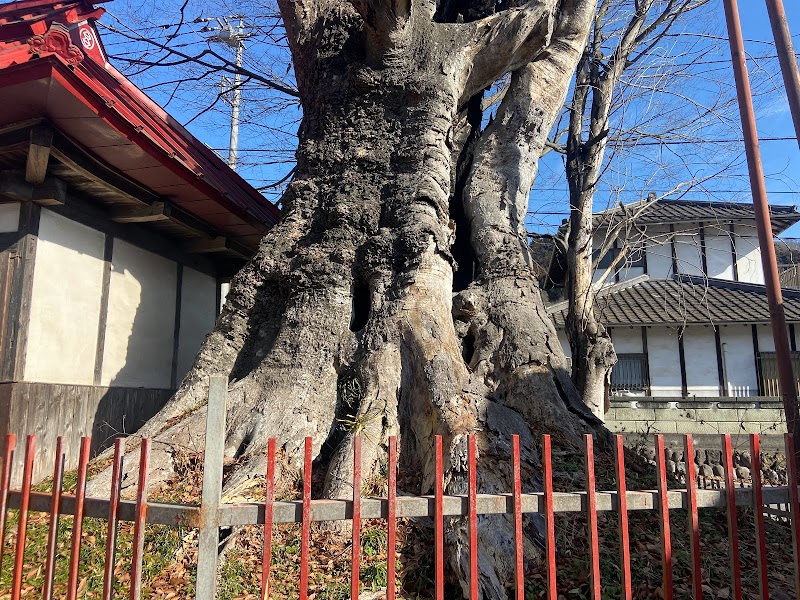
(684,299)
(665,212)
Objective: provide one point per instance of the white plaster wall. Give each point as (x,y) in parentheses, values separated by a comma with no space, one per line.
(224,288)
(562,337)
(665,366)
(766,343)
(719,256)
(687,249)
(630,272)
(9,217)
(198,314)
(141,319)
(65,303)
(627,340)
(740,365)
(700,351)
(748,258)
(659,260)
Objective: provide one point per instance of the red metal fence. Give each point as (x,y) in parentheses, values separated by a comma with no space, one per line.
(267,514)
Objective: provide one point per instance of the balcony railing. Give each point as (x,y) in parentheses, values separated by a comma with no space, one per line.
(768,373)
(630,374)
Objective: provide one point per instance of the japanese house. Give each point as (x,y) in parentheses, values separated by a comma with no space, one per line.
(681,292)
(118,231)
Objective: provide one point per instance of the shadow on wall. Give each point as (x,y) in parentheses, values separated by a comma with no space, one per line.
(139,343)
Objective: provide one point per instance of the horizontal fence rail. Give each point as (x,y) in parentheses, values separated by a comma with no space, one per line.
(291,511)
(212,515)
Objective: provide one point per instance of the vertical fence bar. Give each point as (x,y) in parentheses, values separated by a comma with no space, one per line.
(549,518)
(269,506)
(140,520)
(439,520)
(758,509)
(22,518)
(591,516)
(5,485)
(77,523)
(791,475)
(692,520)
(208,536)
(519,574)
(473,518)
(52,527)
(733,527)
(111,528)
(391,534)
(622,509)
(663,513)
(305,533)
(356,566)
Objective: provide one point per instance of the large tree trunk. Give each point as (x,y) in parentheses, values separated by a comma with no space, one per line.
(348,320)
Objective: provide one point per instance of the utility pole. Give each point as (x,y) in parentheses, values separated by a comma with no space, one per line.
(233,37)
(788,61)
(772,282)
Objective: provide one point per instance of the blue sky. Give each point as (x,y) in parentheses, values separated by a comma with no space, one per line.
(269,121)
(637,174)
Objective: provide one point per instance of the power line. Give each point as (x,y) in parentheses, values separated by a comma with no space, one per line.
(645,143)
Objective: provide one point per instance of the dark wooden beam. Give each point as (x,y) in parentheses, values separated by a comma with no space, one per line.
(74,157)
(157,211)
(18,315)
(733,252)
(682,361)
(206,245)
(103,319)
(176,334)
(723,386)
(38,154)
(647,358)
(703,251)
(51,192)
(674,250)
(14,187)
(17,136)
(757,357)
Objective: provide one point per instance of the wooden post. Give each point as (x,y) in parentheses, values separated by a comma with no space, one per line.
(208,539)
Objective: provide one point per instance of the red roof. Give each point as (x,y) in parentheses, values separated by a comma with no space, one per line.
(53,66)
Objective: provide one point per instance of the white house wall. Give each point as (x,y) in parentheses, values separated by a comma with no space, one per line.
(627,340)
(700,352)
(65,302)
(659,260)
(630,272)
(9,217)
(562,338)
(740,367)
(748,256)
(198,313)
(687,250)
(664,364)
(141,319)
(766,343)
(719,255)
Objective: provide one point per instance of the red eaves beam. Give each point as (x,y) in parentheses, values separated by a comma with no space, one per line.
(114,103)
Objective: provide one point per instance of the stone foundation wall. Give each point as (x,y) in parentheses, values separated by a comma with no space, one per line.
(763,415)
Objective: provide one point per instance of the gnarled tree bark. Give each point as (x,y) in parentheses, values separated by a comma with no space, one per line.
(348,320)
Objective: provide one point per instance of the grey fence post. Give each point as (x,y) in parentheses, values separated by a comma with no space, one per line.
(208,538)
